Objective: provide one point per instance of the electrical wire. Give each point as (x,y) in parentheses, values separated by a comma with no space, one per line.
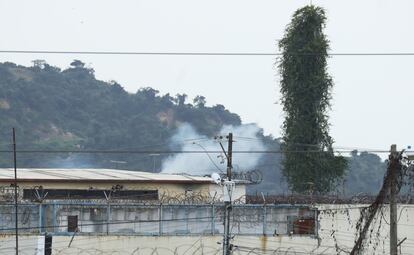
(181,151)
(182,142)
(208,155)
(170,53)
(336,147)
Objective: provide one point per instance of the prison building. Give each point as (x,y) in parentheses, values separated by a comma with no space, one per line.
(59,208)
(37,185)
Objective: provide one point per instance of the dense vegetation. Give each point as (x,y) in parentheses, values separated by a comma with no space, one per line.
(305,89)
(70,110)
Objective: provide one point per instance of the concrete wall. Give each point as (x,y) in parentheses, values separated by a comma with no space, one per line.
(162,220)
(336,234)
(177,245)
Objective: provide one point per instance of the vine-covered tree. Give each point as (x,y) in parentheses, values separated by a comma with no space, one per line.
(309,163)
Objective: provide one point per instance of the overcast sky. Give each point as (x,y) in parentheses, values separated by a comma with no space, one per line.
(371,98)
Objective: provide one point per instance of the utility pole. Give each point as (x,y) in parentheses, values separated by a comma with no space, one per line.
(394,167)
(228,190)
(15,192)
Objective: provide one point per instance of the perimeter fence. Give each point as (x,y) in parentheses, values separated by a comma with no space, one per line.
(157,220)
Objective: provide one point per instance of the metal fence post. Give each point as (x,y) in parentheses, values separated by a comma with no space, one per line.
(160,220)
(187,215)
(264,219)
(80,218)
(316,230)
(108,217)
(213,214)
(40,218)
(54,221)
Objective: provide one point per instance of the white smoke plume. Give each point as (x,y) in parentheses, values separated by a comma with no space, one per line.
(187,139)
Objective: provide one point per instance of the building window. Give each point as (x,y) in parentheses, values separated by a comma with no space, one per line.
(54,194)
(135,194)
(72,223)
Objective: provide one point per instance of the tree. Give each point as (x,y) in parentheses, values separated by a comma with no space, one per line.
(180,99)
(116,87)
(309,163)
(149,93)
(79,68)
(199,101)
(167,100)
(77,64)
(365,173)
(39,63)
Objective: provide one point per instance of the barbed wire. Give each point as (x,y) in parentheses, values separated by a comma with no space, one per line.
(252,176)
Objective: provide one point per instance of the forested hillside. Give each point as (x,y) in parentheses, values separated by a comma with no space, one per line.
(70,109)
(54,109)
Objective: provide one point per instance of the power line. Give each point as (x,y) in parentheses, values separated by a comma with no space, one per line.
(183,151)
(208,155)
(182,142)
(338,148)
(169,53)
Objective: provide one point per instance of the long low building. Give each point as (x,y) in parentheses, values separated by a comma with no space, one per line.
(37,184)
(60,209)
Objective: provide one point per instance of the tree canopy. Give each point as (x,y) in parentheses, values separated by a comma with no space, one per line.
(71,109)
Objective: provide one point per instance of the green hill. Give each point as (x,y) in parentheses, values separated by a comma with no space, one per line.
(70,109)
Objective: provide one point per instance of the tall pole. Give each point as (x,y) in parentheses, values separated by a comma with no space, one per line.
(227,204)
(15,192)
(394,164)
(229,156)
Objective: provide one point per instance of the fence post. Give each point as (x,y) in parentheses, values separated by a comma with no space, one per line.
(40,218)
(213,219)
(316,230)
(187,216)
(160,220)
(264,219)
(108,217)
(54,221)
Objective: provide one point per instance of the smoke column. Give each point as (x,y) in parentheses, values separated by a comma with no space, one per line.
(186,138)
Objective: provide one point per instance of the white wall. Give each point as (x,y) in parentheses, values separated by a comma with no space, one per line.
(336,233)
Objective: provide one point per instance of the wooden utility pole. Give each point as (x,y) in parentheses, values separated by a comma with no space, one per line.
(15,193)
(228,204)
(229,156)
(390,186)
(394,165)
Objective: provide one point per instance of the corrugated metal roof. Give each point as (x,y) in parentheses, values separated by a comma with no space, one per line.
(95,175)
